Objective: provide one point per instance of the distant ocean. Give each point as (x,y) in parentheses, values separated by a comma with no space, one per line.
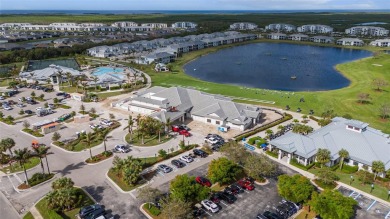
(78,12)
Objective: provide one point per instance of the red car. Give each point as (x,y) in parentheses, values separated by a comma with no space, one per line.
(185,133)
(175,128)
(246,185)
(203,181)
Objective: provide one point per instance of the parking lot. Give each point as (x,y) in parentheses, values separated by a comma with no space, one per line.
(248,204)
(367,207)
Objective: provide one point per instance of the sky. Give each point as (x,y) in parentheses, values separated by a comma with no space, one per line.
(192,4)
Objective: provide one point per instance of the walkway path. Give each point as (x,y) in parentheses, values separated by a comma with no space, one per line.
(34,211)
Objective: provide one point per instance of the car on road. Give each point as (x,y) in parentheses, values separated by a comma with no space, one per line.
(185,133)
(246,185)
(121,148)
(186,158)
(178,163)
(210,206)
(164,168)
(28,112)
(228,198)
(203,181)
(199,152)
(84,211)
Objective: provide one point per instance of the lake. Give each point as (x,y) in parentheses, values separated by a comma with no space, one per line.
(274,65)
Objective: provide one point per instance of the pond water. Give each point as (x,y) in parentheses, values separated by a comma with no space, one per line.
(276,66)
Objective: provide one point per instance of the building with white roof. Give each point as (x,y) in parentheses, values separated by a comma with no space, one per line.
(243,26)
(298,37)
(281,28)
(363,143)
(54,73)
(350,42)
(315,28)
(322,39)
(155,25)
(367,31)
(184,25)
(179,103)
(381,43)
(277,36)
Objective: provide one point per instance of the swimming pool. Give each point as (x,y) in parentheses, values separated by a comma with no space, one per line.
(105,70)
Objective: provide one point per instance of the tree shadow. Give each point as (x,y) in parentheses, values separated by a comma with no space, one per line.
(67,170)
(96,192)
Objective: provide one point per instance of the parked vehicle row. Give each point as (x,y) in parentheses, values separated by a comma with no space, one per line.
(182,161)
(215,141)
(286,129)
(182,130)
(284,210)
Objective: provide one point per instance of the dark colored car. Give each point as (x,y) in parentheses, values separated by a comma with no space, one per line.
(88,209)
(60,94)
(231,191)
(29,112)
(197,211)
(199,152)
(227,197)
(184,127)
(270,215)
(203,181)
(260,216)
(237,187)
(95,214)
(215,197)
(177,163)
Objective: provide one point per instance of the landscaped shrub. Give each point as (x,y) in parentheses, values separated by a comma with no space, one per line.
(349,169)
(272,154)
(336,167)
(39,178)
(313,118)
(153,210)
(295,163)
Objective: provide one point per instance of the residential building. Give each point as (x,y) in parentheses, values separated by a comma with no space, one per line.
(280,28)
(243,26)
(363,143)
(322,39)
(179,103)
(367,31)
(298,37)
(315,28)
(159,57)
(54,73)
(350,42)
(12,26)
(155,25)
(381,43)
(184,25)
(121,24)
(277,36)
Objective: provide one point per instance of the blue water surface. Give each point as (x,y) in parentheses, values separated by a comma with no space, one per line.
(273,65)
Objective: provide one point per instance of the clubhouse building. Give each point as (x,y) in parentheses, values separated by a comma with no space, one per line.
(178,104)
(364,144)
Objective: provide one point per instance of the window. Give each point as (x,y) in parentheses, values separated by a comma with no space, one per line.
(208,120)
(217,122)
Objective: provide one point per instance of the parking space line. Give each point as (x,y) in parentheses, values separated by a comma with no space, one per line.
(357,196)
(162,174)
(373,203)
(387,215)
(351,193)
(208,213)
(246,191)
(224,203)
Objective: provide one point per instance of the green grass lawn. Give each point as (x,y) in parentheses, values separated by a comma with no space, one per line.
(50,214)
(28,216)
(32,162)
(32,132)
(378,191)
(152,211)
(152,141)
(342,101)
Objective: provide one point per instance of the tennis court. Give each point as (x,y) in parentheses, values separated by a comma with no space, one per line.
(41,64)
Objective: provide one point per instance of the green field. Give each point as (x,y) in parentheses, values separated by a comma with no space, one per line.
(342,101)
(339,21)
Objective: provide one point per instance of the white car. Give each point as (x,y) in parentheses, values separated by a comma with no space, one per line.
(210,206)
(20,105)
(28,98)
(121,148)
(106,122)
(211,140)
(7,108)
(186,158)
(38,108)
(2,98)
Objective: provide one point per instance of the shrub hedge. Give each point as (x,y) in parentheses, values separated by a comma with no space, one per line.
(39,178)
(349,169)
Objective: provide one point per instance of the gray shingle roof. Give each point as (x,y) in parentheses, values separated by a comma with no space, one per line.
(366,146)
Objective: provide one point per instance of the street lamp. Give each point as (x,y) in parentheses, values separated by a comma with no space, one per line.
(372,187)
(350,183)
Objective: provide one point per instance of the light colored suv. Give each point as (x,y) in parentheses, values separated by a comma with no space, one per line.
(210,206)
(186,158)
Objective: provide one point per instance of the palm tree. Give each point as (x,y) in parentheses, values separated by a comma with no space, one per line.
(88,141)
(22,155)
(158,125)
(8,144)
(269,132)
(60,74)
(135,78)
(95,79)
(103,135)
(128,75)
(77,80)
(42,152)
(84,85)
(280,127)
(377,167)
(69,78)
(295,121)
(130,123)
(323,156)
(168,124)
(343,154)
